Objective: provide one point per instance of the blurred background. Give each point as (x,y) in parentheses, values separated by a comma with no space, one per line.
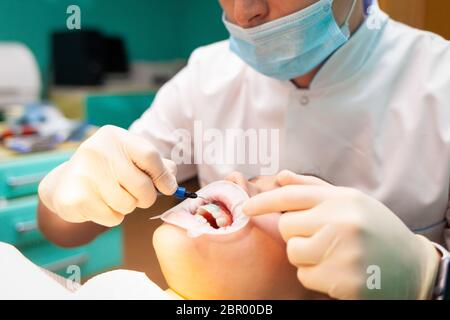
(154,31)
(58,85)
(431,15)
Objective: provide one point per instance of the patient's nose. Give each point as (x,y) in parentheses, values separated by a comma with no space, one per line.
(250,13)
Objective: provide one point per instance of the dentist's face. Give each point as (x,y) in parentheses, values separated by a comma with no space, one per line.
(251,13)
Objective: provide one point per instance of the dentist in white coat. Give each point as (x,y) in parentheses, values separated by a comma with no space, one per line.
(361,101)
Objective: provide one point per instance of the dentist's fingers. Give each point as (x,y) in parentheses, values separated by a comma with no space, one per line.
(303,251)
(102,214)
(239,179)
(287,177)
(328,278)
(84,203)
(171,166)
(114,195)
(137,183)
(288,198)
(312,277)
(117,198)
(148,160)
(300,224)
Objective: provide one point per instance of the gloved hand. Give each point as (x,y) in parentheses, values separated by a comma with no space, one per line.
(255,185)
(111,174)
(343,242)
(260,184)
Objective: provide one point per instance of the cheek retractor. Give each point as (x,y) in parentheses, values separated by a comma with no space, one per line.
(216,211)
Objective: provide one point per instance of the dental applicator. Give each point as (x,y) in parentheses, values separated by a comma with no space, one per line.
(182,194)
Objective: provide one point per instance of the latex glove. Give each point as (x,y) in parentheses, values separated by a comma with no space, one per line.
(255,185)
(337,237)
(110,175)
(260,184)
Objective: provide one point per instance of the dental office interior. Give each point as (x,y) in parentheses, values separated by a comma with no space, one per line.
(69,68)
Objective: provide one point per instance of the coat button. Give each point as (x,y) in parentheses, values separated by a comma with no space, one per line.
(304,100)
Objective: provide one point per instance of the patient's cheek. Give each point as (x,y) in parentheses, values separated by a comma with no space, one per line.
(248,264)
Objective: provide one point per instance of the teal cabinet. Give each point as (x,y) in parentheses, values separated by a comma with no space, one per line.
(18,223)
(20,176)
(18,226)
(117,109)
(102,254)
(19,180)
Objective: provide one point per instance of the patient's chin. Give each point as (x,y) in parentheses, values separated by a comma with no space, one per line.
(248,264)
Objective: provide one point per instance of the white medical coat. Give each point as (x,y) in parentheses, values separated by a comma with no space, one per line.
(376,117)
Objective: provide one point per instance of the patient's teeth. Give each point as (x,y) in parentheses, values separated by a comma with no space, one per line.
(221,221)
(210,208)
(216,213)
(213,209)
(201,219)
(213,214)
(200,212)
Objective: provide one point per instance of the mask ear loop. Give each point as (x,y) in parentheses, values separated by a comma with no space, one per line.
(349,16)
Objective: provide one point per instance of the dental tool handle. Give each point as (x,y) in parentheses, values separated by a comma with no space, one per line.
(182,194)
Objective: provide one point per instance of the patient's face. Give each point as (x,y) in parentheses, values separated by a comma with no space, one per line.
(248,264)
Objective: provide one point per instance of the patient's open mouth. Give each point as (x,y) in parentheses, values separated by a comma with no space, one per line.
(215,213)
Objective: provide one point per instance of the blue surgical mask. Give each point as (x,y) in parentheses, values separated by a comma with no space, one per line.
(293,45)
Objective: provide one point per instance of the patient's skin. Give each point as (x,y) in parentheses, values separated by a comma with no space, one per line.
(248,264)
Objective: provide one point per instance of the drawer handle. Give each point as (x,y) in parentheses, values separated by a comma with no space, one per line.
(26,226)
(15,182)
(64,263)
